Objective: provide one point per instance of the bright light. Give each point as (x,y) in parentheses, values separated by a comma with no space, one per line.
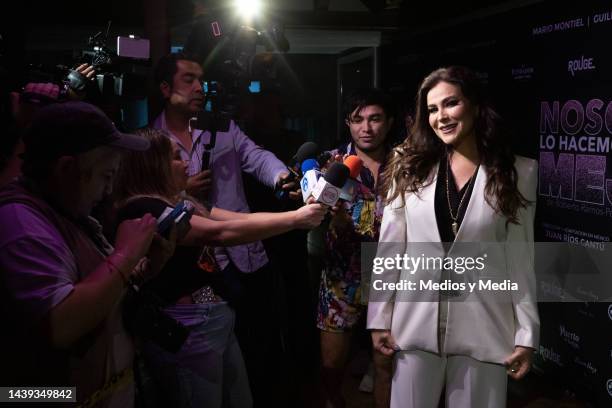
(248,9)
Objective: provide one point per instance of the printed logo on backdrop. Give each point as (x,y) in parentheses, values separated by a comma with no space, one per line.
(575,139)
(571,24)
(549,354)
(609,386)
(599,18)
(570,337)
(522,73)
(610,311)
(482,76)
(551,289)
(584,309)
(587,365)
(580,64)
(574,23)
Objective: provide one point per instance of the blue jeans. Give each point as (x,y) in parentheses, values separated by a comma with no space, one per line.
(208,371)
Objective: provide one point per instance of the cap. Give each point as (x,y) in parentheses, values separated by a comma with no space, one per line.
(73,128)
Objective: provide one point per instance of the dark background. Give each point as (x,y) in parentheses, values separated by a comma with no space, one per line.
(493,37)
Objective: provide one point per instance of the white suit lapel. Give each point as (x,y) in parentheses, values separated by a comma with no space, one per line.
(468,230)
(423,212)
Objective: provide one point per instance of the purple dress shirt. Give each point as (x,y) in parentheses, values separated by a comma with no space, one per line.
(233,153)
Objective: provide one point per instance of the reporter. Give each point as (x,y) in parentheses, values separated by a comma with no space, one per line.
(61,282)
(208,370)
(17,115)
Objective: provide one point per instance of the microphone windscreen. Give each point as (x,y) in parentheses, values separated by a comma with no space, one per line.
(306,151)
(354,163)
(323,158)
(309,164)
(337,174)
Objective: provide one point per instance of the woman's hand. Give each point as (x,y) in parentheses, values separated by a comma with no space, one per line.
(384,342)
(310,216)
(518,363)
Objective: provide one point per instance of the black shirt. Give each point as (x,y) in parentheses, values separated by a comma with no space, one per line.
(443,217)
(181,275)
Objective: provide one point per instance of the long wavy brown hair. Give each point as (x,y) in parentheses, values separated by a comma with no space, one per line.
(147,173)
(411,167)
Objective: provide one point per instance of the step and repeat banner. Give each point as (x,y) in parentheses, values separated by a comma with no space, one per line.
(549,71)
(571,70)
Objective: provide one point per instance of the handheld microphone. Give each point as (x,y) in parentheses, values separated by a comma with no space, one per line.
(311,175)
(354,163)
(307,150)
(327,189)
(323,158)
(349,189)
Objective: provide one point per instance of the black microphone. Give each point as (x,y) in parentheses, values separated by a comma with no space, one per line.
(323,158)
(306,151)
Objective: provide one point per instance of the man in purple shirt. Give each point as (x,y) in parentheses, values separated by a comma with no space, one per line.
(180,81)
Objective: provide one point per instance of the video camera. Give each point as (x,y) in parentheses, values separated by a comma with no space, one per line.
(119,74)
(232,66)
(122,73)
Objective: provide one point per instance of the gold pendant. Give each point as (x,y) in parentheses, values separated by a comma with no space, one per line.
(455,227)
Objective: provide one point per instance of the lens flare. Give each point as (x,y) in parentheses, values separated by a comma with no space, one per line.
(248,9)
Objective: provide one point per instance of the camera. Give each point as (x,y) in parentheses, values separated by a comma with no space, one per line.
(233,68)
(118,74)
(143,316)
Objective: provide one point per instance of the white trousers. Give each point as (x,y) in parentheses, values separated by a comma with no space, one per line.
(418,379)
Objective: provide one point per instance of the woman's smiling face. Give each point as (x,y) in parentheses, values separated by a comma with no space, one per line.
(451,114)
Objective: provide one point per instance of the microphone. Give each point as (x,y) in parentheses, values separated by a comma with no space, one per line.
(354,163)
(323,158)
(349,189)
(311,175)
(307,150)
(327,189)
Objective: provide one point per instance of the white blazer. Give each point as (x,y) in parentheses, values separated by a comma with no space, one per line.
(485,330)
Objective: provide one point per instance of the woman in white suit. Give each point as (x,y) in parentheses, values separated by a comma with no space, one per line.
(455,180)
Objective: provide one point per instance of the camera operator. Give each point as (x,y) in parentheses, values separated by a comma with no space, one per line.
(61,283)
(21,108)
(244,266)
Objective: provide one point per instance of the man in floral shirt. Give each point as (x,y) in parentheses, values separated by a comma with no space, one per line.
(369,117)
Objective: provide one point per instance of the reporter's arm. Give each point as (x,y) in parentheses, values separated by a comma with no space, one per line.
(250,227)
(220,214)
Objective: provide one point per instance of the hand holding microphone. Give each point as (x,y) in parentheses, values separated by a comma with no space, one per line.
(310,216)
(285,184)
(199,184)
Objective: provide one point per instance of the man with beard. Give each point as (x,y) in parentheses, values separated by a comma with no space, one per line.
(245,267)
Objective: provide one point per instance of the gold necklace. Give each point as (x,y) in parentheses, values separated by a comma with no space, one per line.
(455,225)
